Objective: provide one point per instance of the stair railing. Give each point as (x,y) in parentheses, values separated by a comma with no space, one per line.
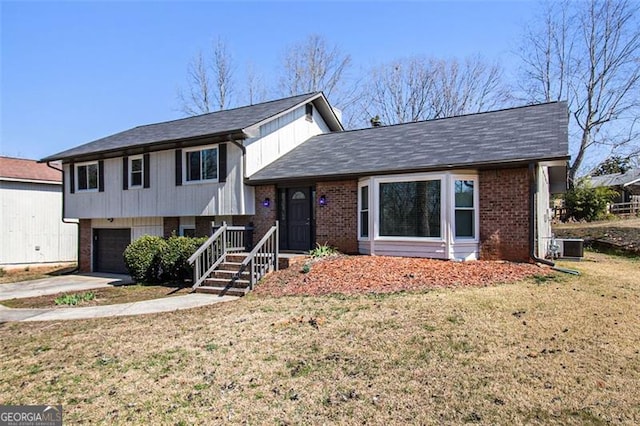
(211,254)
(263,258)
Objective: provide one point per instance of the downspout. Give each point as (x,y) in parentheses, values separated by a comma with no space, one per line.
(533,189)
(64,220)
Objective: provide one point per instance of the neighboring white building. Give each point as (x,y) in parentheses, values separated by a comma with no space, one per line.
(31,227)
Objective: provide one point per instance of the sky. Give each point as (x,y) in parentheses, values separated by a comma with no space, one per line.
(73,72)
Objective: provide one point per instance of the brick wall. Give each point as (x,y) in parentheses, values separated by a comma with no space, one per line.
(170,225)
(203,226)
(84,263)
(265,217)
(504,214)
(337,222)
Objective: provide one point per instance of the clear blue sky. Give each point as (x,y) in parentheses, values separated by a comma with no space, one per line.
(73,72)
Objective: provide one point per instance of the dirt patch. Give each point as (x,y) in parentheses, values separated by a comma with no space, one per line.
(623,234)
(26,273)
(102,296)
(381,274)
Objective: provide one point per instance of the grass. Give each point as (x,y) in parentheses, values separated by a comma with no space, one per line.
(564,350)
(98,297)
(12,275)
(621,236)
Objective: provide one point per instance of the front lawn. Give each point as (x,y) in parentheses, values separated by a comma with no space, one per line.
(548,350)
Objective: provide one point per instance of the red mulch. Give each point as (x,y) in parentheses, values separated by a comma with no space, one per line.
(381,274)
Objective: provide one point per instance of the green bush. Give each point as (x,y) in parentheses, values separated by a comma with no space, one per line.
(584,202)
(74,299)
(174,258)
(143,258)
(324,250)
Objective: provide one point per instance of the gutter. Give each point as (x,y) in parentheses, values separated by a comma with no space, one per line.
(64,220)
(533,189)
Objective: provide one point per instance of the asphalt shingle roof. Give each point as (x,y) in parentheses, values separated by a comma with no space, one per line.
(23,169)
(215,123)
(616,179)
(512,135)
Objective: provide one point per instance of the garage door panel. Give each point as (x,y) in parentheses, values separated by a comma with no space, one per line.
(108,249)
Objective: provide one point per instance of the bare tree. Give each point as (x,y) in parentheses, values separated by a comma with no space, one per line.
(419,88)
(313,65)
(210,83)
(256,90)
(588,53)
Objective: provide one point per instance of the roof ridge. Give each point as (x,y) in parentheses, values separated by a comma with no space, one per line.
(446,118)
(226,110)
(17,158)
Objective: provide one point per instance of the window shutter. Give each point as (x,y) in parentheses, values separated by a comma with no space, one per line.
(125,173)
(72,178)
(146,170)
(101,176)
(222,162)
(178,167)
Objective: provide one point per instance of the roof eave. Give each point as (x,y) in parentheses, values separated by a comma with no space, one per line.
(444,167)
(226,136)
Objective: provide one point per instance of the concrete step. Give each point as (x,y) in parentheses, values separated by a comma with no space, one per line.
(223,291)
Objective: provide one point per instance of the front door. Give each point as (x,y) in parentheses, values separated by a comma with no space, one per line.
(299,204)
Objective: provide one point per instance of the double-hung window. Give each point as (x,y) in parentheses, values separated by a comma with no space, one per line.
(201,164)
(465,214)
(364,211)
(87,177)
(410,209)
(136,170)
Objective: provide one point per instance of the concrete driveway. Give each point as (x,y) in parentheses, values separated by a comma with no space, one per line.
(61,284)
(69,283)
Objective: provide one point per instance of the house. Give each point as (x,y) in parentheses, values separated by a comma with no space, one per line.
(467,187)
(32,230)
(626,185)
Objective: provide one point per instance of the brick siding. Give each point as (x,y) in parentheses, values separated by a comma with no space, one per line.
(265,217)
(337,222)
(203,226)
(504,214)
(170,225)
(84,263)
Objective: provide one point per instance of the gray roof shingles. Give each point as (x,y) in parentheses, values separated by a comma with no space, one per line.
(512,135)
(215,123)
(616,179)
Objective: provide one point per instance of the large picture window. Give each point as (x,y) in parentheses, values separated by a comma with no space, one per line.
(464,209)
(410,209)
(87,175)
(202,165)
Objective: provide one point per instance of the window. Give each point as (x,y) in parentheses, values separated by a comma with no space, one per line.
(187,230)
(410,209)
(202,165)
(87,177)
(136,167)
(464,209)
(364,212)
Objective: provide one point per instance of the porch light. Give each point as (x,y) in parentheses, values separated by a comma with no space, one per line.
(266,202)
(322,200)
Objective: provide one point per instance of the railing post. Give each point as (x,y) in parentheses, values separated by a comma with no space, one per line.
(277,241)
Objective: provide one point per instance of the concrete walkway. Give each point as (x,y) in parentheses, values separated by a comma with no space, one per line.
(165,304)
(71,283)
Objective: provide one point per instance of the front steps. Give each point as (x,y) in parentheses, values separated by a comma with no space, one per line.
(226,280)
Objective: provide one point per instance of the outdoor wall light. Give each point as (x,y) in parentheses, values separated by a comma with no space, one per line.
(322,200)
(266,202)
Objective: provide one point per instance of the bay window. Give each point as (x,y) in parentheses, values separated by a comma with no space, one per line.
(410,209)
(465,214)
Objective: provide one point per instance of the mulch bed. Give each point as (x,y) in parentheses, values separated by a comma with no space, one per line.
(381,274)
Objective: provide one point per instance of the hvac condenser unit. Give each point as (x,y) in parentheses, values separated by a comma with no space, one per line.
(570,248)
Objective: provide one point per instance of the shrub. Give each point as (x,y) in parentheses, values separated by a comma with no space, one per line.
(584,202)
(143,258)
(323,251)
(74,299)
(174,258)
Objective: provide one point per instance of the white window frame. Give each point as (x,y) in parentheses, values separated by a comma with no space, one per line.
(186,227)
(142,171)
(185,165)
(362,184)
(476,212)
(409,178)
(77,176)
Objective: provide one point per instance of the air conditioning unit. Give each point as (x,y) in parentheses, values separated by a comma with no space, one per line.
(569,248)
